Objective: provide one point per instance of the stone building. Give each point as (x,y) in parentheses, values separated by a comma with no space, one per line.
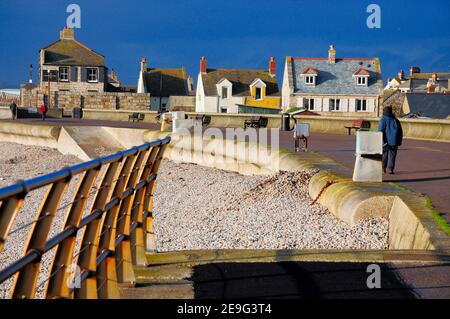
(333,86)
(161,84)
(73,75)
(222,90)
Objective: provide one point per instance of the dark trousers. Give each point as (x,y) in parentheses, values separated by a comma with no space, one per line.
(389,155)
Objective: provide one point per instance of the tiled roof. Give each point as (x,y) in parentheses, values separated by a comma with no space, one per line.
(241,80)
(71,52)
(431,105)
(337,78)
(361,70)
(166,82)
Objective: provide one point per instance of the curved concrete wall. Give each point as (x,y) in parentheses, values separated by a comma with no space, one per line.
(41,135)
(435,130)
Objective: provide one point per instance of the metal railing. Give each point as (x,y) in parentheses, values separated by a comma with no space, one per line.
(116,228)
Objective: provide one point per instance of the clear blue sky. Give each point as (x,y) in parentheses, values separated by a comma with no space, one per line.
(233,33)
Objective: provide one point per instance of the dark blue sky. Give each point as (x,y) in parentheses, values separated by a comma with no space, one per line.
(234,33)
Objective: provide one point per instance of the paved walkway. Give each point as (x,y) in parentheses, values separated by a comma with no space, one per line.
(422,166)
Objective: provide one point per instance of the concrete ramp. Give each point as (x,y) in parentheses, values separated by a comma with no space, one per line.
(87,142)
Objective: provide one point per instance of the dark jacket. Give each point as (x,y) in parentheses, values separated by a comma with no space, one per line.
(392,130)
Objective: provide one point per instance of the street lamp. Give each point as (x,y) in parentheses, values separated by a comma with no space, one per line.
(48,87)
(30,81)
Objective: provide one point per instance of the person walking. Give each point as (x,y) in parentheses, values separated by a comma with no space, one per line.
(392,138)
(13,108)
(43,110)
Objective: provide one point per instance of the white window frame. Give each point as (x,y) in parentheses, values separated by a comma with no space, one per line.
(361,80)
(309,79)
(66,79)
(362,105)
(334,103)
(96,75)
(307,104)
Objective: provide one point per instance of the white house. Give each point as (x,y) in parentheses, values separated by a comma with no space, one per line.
(236,90)
(162,83)
(333,86)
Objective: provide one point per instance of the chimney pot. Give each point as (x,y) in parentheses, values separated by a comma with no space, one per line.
(144,64)
(272,67)
(203,65)
(332,54)
(401,75)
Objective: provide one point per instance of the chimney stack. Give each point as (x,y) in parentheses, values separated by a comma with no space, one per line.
(144,65)
(401,75)
(67,34)
(331,55)
(272,67)
(203,65)
(413,70)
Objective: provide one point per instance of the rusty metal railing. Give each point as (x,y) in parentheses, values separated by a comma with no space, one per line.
(116,228)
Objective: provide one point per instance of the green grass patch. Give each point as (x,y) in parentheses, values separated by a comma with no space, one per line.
(442,222)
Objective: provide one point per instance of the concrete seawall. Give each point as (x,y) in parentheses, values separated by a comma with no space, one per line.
(412,223)
(433,130)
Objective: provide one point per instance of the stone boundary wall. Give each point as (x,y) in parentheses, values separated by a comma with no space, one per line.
(90,100)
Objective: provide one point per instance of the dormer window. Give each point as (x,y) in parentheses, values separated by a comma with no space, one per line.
(361,80)
(361,77)
(224,89)
(309,76)
(257,89)
(310,80)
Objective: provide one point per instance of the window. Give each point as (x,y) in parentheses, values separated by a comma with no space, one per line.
(258,93)
(361,80)
(92,75)
(308,104)
(64,74)
(224,92)
(223,110)
(310,79)
(361,105)
(335,104)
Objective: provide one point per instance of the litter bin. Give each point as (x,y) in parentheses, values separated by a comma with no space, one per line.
(77,112)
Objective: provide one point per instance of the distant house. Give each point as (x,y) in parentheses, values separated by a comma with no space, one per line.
(423,82)
(222,90)
(435,106)
(333,86)
(70,66)
(162,83)
(394,98)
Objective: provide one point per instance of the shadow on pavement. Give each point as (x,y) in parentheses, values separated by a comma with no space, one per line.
(294,280)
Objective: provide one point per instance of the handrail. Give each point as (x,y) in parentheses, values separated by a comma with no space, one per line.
(117,226)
